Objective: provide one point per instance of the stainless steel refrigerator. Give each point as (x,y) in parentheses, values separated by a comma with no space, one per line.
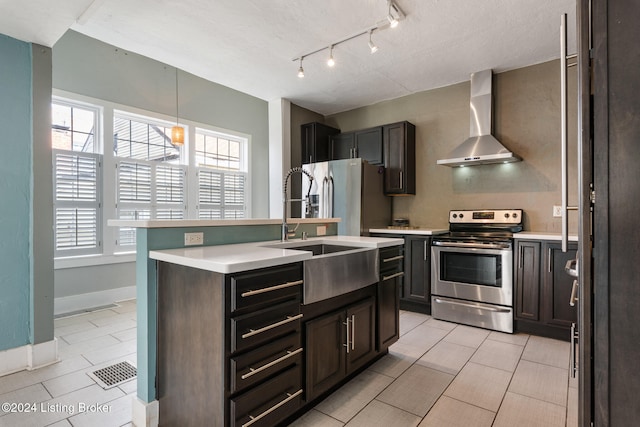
(349,189)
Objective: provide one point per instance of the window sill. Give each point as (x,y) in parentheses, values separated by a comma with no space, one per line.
(91,260)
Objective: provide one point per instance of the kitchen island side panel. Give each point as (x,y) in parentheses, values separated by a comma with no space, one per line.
(190,346)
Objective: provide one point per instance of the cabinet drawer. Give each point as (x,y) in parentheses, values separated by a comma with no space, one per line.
(264,361)
(391,259)
(264,325)
(266,286)
(269,403)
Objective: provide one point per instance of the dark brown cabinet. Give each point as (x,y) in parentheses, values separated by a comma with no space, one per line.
(337,344)
(389,288)
(416,293)
(366,144)
(399,144)
(543,289)
(316,142)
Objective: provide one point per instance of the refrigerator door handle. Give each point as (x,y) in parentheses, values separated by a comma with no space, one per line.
(325,198)
(330,196)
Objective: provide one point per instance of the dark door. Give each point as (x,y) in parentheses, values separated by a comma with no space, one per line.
(557,286)
(527,292)
(388,309)
(417,283)
(394,155)
(362,319)
(368,145)
(343,144)
(326,352)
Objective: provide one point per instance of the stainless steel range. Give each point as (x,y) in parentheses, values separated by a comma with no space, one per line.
(472,269)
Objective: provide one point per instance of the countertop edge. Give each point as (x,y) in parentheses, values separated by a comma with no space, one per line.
(542,235)
(417,231)
(175,223)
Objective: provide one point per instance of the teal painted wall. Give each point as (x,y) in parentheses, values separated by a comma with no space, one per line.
(15,191)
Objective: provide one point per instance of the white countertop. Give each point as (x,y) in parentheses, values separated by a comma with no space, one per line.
(419,231)
(168,223)
(542,235)
(250,256)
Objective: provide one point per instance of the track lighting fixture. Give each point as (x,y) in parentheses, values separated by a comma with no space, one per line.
(394,15)
(330,61)
(372,45)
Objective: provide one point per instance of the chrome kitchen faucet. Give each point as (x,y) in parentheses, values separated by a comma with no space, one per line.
(285,226)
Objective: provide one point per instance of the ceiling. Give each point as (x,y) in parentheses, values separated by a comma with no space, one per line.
(248,45)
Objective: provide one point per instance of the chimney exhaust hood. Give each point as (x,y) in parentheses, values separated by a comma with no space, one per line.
(481,148)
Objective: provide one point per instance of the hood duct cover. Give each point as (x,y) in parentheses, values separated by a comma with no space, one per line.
(481,147)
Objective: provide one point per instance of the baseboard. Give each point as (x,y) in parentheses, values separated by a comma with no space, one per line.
(145,414)
(28,357)
(92,299)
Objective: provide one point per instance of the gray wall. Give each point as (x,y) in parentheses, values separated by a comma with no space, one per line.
(526,120)
(89,67)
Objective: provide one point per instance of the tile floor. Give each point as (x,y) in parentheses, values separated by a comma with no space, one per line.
(438,374)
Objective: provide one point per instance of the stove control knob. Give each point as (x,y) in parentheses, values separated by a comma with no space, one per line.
(515,215)
(506,215)
(461,216)
(455,215)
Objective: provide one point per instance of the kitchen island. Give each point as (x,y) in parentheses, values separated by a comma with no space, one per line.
(242,338)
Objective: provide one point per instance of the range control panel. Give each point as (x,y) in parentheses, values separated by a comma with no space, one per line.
(504,216)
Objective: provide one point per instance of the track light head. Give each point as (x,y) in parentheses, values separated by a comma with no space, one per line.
(331,62)
(372,46)
(301,70)
(393,21)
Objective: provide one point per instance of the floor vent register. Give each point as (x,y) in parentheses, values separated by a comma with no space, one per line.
(114,375)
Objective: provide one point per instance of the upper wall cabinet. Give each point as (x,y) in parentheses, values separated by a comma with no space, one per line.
(316,142)
(366,144)
(399,142)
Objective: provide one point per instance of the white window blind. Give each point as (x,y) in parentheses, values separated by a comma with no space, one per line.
(221,195)
(77,184)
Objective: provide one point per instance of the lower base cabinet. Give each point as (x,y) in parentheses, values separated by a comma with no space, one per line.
(337,344)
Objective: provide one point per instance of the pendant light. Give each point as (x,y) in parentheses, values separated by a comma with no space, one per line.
(372,46)
(177,132)
(331,62)
(301,70)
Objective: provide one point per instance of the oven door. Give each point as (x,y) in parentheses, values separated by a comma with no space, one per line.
(459,270)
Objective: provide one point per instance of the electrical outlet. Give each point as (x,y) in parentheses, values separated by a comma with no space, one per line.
(557,211)
(321,230)
(193,239)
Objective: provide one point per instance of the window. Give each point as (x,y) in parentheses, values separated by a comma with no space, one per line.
(150,182)
(222,177)
(77,179)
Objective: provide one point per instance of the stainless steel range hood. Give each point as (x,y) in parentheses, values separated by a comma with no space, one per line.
(481,147)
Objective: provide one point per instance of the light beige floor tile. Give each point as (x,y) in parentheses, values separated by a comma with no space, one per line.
(446,357)
(480,385)
(499,355)
(349,399)
(542,382)
(126,335)
(449,412)
(62,407)
(32,394)
(393,364)
(26,378)
(572,408)
(409,350)
(409,320)
(522,411)
(117,412)
(125,307)
(87,346)
(548,351)
(378,413)
(129,387)
(423,337)
(104,321)
(73,328)
(112,352)
(441,324)
(64,321)
(518,338)
(108,329)
(467,335)
(314,418)
(63,423)
(416,390)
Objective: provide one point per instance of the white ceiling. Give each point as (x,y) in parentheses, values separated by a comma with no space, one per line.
(249,45)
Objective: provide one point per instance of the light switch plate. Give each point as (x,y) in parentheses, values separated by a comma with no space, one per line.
(191,239)
(321,230)
(557,211)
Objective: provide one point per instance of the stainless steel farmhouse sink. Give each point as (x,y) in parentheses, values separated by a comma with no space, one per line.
(334,269)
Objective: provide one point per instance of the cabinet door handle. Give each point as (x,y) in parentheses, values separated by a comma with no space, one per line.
(273,408)
(574,339)
(574,290)
(401,180)
(393,276)
(253,332)
(353,332)
(253,371)
(271,288)
(425,250)
(348,332)
(520,257)
(549,259)
(395,258)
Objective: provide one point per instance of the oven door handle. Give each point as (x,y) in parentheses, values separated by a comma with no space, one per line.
(481,307)
(471,245)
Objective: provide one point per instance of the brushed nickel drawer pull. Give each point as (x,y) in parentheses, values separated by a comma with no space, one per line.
(347,344)
(252,371)
(393,276)
(271,288)
(273,408)
(395,258)
(353,332)
(573,298)
(253,332)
